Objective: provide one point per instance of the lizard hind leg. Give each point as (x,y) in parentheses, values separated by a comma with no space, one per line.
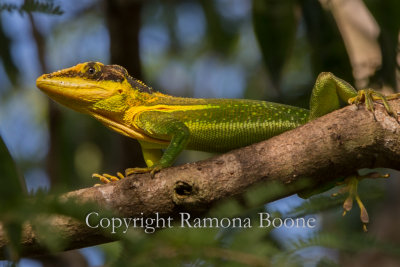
(350,188)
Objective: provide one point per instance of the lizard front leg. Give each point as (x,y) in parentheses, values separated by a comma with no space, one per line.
(163,126)
(159,125)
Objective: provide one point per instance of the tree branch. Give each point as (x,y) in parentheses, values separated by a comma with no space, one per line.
(332,146)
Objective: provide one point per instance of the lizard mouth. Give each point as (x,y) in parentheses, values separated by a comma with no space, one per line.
(71,91)
(49,83)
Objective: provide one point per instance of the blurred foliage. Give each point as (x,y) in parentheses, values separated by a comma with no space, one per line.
(296,40)
(221,33)
(328,52)
(349,243)
(275,27)
(11,195)
(17,208)
(5,56)
(385,13)
(33,6)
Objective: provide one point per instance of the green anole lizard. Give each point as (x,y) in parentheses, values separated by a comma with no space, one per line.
(160,121)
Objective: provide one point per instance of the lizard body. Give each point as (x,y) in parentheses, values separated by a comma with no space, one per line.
(160,121)
(157,120)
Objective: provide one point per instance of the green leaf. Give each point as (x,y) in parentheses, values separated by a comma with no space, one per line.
(221,39)
(328,52)
(12,185)
(275,28)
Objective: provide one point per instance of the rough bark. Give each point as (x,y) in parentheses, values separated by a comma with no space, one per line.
(331,146)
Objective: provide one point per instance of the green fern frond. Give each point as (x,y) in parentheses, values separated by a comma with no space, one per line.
(326,262)
(352,243)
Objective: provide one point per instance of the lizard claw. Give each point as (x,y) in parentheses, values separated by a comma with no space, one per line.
(107,178)
(130,171)
(350,187)
(153,170)
(369,96)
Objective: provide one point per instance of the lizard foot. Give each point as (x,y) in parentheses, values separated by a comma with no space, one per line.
(152,170)
(107,178)
(350,187)
(369,96)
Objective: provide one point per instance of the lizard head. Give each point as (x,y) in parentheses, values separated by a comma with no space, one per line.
(91,87)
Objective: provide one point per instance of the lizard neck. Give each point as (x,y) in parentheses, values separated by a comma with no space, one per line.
(112,112)
(119,111)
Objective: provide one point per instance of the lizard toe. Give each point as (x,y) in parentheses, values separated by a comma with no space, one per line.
(107,178)
(350,188)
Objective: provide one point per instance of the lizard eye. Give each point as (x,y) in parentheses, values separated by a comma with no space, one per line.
(91,70)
